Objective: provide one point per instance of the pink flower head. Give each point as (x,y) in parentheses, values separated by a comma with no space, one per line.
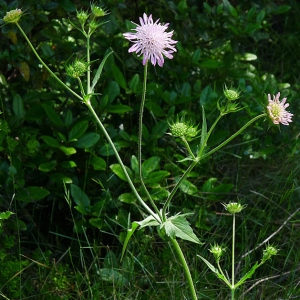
(277,110)
(152,40)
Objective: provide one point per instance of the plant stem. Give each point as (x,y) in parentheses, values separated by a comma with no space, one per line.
(140,138)
(175,188)
(44,64)
(233,136)
(149,210)
(185,268)
(88,59)
(232,259)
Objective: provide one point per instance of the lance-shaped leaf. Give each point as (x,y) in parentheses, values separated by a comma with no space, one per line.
(247,275)
(203,133)
(216,271)
(178,226)
(99,71)
(149,221)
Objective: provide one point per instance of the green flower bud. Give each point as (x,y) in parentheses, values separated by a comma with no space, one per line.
(234,207)
(98,11)
(269,252)
(217,251)
(77,69)
(231,94)
(13,16)
(179,129)
(82,16)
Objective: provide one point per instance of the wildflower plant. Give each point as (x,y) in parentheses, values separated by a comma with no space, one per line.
(154,43)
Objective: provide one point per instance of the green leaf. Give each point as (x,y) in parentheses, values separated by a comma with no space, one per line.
(97,222)
(18,106)
(5,215)
(117,169)
(52,115)
(130,232)
(113,91)
(208,185)
(215,270)
(203,133)
(32,193)
(134,165)
(210,64)
(98,163)
(88,140)
(80,197)
(134,83)
(118,109)
(180,227)
(247,275)
(99,71)
(118,76)
(78,130)
(150,165)
(128,198)
(155,108)
(149,221)
(112,276)
(68,150)
(47,166)
(156,176)
(187,187)
(50,141)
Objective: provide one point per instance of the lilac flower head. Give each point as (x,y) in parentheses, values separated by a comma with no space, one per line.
(152,41)
(277,110)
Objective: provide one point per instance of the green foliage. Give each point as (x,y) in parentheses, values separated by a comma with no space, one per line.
(48,140)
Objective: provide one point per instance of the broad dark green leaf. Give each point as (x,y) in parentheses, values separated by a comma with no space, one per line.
(88,140)
(178,226)
(80,197)
(149,165)
(47,166)
(54,117)
(31,193)
(97,163)
(18,106)
(118,108)
(50,141)
(78,130)
(118,76)
(117,169)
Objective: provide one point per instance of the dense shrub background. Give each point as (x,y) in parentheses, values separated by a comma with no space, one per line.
(65,237)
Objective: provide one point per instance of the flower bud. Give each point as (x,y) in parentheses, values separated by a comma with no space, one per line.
(77,69)
(269,252)
(13,16)
(217,251)
(82,16)
(98,11)
(234,207)
(231,94)
(178,129)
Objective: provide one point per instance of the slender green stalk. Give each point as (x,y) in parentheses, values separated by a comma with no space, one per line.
(175,188)
(87,102)
(190,168)
(140,138)
(88,60)
(233,136)
(232,259)
(208,135)
(44,64)
(185,268)
(149,210)
(188,147)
